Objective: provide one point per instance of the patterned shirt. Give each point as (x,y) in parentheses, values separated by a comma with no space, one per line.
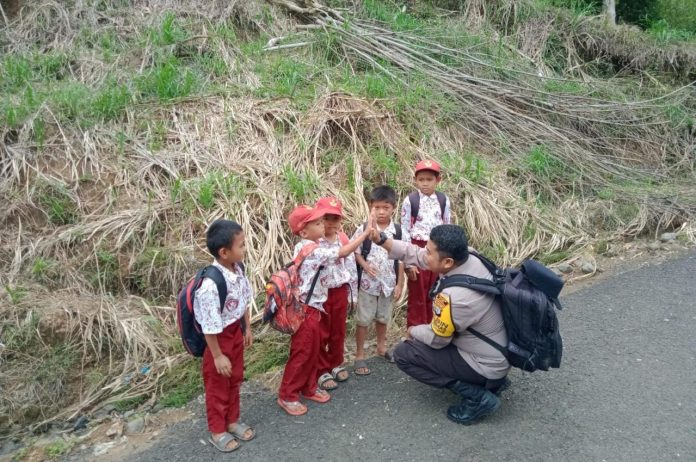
(341,270)
(321,256)
(385,281)
(429,216)
(206,304)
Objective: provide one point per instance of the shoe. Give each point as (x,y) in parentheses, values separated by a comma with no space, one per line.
(506,384)
(477,402)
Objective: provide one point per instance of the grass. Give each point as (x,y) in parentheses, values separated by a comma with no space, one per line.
(129,403)
(167,80)
(302,185)
(181,384)
(59,448)
(267,354)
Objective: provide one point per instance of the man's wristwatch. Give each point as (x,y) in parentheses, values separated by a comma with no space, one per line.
(382,238)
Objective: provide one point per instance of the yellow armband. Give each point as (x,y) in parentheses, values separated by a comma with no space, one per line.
(442,323)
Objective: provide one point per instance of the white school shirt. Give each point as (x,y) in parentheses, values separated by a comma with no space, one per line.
(429,216)
(206,303)
(385,282)
(321,256)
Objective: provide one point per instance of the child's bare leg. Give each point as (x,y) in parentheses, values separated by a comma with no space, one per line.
(381,338)
(360,336)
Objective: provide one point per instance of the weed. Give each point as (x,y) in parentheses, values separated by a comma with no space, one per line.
(59,448)
(266,354)
(284,77)
(104,272)
(466,165)
(111,101)
(129,403)
(44,269)
(167,80)
(543,164)
(554,257)
(181,384)
(71,101)
(168,32)
(301,185)
(58,204)
(385,166)
(602,247)
(16,293)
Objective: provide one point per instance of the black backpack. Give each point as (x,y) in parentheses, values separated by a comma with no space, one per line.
(367,246)
(528,298)
(190,331)
(414,200)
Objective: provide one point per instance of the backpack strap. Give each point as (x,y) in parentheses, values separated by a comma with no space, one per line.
(442,199)
(397,237)
(414,200)
(479,285)
(214,274)
(300,258)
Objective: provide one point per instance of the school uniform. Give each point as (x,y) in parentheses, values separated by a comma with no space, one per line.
(375,294)
(417,231)
(340,276)
(222,393)
(301,370)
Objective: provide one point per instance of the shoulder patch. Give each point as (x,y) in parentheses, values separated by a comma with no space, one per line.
(442,323)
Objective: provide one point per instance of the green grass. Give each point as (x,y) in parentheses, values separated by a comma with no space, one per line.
(59,448)
(554,257)
(168,32)
(102,271)
(58,204)
(303,186)
(541,163)
(465,165)
(167,80)
(129,403)
(181,384)
(267,354)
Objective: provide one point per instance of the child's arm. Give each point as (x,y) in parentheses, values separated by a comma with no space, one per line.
(222,362)
(400,277)
(353,245)
(447,216)
(367,267)
(406,220)
(248,335)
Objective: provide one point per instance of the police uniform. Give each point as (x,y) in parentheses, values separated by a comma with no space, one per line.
(444,352)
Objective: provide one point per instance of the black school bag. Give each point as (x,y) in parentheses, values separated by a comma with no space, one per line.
(190,331)
(367,246)
(529,299)
(414,200)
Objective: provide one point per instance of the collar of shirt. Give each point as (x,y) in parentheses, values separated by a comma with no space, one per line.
(227,273)
(432,196)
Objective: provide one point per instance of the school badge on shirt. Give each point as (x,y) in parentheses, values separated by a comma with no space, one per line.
(442,323)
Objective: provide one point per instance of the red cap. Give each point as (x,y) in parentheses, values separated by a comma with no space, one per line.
(330,206)
(428,165)
(301,215)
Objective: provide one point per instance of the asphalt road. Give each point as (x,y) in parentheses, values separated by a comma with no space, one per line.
(626,391)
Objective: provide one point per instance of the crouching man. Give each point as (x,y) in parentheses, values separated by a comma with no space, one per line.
(444,354)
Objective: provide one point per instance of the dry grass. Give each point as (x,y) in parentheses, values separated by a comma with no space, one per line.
(107,217)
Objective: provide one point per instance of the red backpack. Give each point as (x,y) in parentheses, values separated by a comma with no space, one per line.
(283,308)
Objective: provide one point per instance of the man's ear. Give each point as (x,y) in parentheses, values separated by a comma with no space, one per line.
(448,263)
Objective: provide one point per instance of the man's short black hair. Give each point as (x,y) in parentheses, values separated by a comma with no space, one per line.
(383,193)
(221,234)
(451,241)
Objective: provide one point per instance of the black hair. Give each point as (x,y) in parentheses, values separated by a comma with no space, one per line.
(451,241)
(221,233)
(383,194)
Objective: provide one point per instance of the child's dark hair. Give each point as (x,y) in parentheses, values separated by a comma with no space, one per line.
(383,194)
(221,233)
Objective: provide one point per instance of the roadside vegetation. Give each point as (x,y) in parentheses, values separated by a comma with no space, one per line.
(125,130)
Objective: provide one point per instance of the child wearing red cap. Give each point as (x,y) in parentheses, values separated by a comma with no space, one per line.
(301,370)
(423,210)
(341,277)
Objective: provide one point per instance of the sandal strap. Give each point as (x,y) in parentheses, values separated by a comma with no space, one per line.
(241,428)
(337,370)
(224,440)
(325,377)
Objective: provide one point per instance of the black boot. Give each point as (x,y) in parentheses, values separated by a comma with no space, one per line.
(477,402)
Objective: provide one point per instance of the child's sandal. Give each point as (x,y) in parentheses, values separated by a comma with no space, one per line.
(336,372)
(240,430)
(319,396)
(324,379)
(294,408)
(221,444)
